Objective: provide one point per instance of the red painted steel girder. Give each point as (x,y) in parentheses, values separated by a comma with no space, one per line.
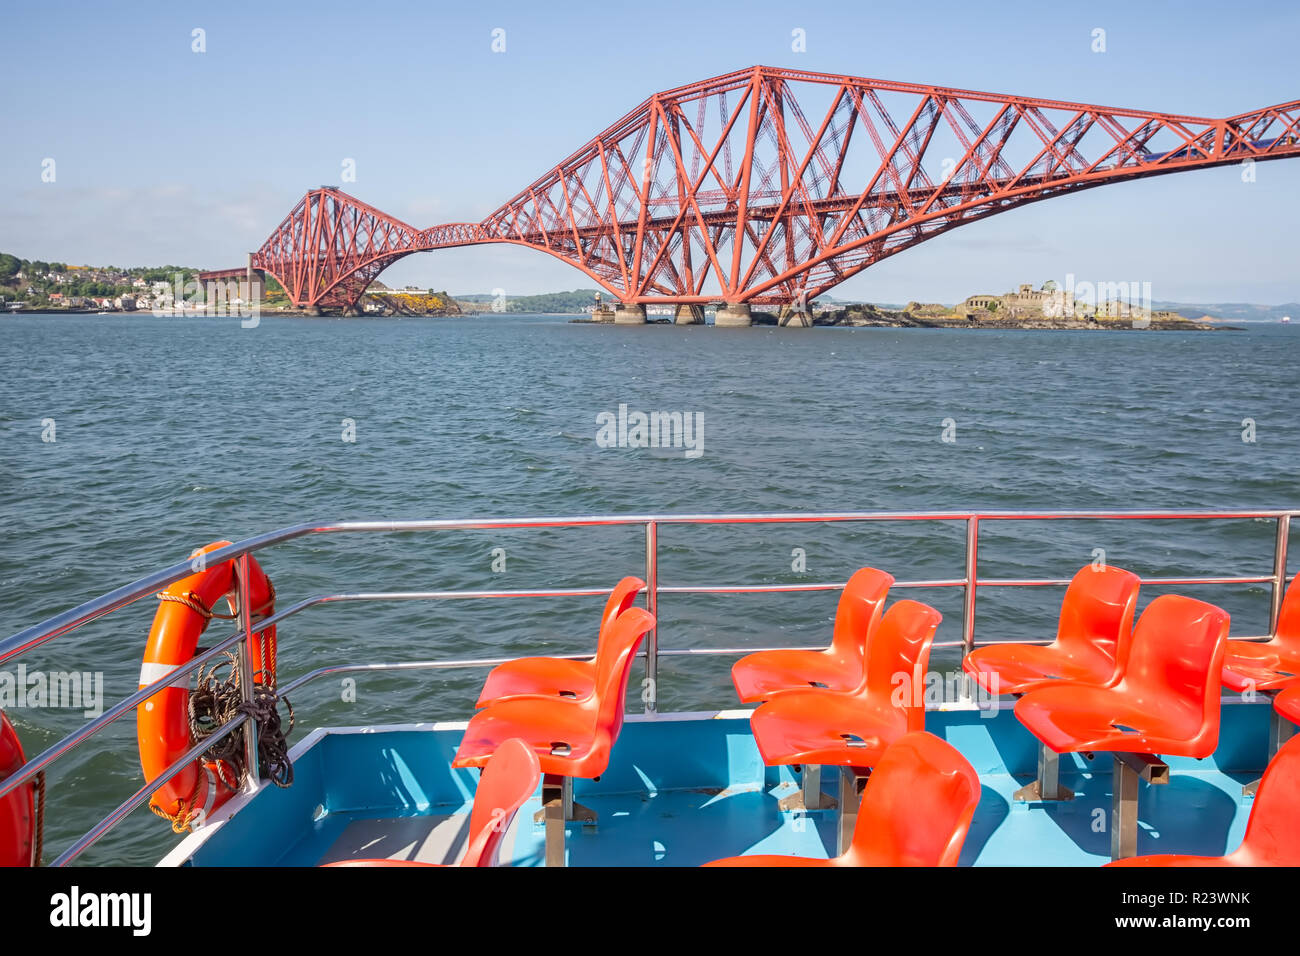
(331,247)
(768,184)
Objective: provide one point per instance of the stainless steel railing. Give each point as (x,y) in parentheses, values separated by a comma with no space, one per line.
(61,624)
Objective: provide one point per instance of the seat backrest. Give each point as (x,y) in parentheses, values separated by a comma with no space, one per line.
(1177,652)
(614,667)
(620,599)
(507,781)
(917,805)
(1288,618)
(1273,830)
(858,614)
(1097,611)
(897,657)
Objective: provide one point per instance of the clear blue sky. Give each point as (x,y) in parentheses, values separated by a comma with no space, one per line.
(164,155)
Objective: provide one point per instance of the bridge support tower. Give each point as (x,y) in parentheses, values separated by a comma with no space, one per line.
(733,315)
(689,315)
(794,317)
(629,313)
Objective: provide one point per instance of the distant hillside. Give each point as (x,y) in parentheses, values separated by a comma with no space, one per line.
(1234,311)
(829,300)
(562,302)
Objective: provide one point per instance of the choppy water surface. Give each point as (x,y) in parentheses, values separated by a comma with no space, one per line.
(173,433)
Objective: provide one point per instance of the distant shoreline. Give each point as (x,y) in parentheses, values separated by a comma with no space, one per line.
(841,318)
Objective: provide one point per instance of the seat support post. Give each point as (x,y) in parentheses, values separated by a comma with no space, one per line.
(810,796)
(1123,811)
(557,808)
(1280,731)
(1129,770)
(1048,785)
(853,780)
(812,787)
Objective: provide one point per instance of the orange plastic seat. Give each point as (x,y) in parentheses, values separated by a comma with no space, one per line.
(1287,703)
(1094,629)
(1273,830)
(572,737)
(1268,665)
(916,810)
(1166,696)
(838,667)
(557,676)
(506,783)
(852,729)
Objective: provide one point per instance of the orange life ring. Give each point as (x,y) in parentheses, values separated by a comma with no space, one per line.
(163,721)
(17,809)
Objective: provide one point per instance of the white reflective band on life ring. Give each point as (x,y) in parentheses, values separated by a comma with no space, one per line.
(150,672)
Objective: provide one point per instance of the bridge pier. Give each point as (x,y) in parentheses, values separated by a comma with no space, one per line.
(733,315)
(689,315)
(255,281)
(795,318)
(629,313)
(313,311)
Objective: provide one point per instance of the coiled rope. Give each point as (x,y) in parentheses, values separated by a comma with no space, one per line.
(215,702)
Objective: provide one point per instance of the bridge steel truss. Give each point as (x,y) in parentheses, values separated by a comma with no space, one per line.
(772,186)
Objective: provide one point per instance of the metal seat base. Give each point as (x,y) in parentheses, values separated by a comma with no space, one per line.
(558,810)
(853,781)
(810,796)
(1047,788)
(1033,793)
(1128,770)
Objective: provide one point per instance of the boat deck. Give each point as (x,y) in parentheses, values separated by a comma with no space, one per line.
(683,789)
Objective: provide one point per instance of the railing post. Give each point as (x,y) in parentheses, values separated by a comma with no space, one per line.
(972,575)
(1279,572)
(650,691)
(246,673)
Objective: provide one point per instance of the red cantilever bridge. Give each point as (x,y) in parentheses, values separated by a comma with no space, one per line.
(771,186)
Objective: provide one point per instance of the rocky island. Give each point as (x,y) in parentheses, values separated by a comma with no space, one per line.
(1050,307)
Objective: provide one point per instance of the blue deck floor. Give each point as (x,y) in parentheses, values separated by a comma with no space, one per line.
(1197,812)
(682,791)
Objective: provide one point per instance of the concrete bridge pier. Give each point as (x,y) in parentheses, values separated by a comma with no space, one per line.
(629,313)
(312,310)
(689,315)
(795,318)
(733,315)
